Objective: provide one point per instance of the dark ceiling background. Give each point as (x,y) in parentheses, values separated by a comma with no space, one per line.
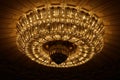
(16,66)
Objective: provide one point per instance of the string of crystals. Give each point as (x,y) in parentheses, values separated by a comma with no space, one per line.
(43,24)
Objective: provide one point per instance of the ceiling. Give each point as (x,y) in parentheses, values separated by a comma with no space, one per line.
(16,66)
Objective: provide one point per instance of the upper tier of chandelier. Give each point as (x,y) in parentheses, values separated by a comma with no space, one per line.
(49,24)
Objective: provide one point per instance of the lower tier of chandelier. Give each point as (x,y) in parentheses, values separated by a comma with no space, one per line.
(60,36)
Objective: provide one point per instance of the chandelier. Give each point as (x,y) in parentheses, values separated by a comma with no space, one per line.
(60,35)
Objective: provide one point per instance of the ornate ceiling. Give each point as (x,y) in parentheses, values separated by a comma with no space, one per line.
(17,66)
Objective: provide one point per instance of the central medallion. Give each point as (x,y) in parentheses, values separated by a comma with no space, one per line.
(59,50)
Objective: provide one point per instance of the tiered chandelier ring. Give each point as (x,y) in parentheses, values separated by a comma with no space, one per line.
(73,31)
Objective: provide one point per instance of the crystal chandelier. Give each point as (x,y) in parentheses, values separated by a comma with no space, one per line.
(60,35)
